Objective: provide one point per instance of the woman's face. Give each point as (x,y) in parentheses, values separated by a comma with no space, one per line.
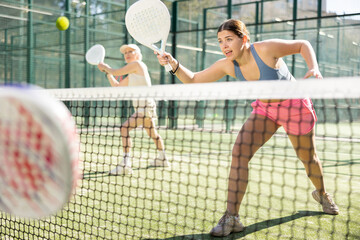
(130,55)
(231,45)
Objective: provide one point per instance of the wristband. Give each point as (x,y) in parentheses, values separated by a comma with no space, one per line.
(177,67)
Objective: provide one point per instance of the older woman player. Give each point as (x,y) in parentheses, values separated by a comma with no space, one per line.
(145,110)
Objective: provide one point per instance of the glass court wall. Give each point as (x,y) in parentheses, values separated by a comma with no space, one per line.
(33,50)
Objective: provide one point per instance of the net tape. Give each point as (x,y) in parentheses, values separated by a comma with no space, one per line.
(329,88)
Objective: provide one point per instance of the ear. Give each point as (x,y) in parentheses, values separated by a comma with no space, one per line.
(245,39)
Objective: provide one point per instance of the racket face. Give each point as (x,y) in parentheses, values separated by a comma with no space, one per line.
(95,54)
(148,22)
(39,151)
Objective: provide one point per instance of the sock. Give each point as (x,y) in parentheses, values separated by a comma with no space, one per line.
(161,155)
(126,161)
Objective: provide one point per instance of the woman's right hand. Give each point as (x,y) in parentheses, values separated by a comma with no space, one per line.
(166,58)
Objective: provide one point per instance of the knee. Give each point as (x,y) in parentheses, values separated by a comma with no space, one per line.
(308,158)
(124,131)
(242,153)
(239,164)
(155,136)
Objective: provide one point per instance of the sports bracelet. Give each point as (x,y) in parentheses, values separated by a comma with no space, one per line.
(177,67)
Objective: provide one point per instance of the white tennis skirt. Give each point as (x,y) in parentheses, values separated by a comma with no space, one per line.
(146,111)
(145,107)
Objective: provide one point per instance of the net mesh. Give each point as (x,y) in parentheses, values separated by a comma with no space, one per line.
(199,124)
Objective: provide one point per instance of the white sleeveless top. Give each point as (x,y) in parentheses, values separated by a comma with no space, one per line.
(139,80)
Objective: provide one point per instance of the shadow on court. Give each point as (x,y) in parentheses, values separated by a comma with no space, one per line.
(98,174)
(249,229)
(101,174)
(349,162)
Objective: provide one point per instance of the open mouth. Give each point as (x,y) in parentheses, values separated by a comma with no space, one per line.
(228,53)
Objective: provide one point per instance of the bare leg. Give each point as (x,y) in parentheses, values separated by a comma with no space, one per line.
(256,131)
(133,122)
(160,160)
(305,149)
(150,128)
(125,165)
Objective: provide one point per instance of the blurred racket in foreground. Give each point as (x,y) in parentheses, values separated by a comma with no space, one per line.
(39,153)
(148,22)
(95,54)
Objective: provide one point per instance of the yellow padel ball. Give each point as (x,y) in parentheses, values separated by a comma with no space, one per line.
(62,23)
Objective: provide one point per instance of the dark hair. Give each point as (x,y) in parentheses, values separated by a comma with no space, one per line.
(236,26)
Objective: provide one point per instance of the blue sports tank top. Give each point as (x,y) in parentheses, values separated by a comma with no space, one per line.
(266,72)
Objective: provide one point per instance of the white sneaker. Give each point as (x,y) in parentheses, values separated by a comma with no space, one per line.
(160,163)
(161,160)
(327,203)
(121,170)
(227,224)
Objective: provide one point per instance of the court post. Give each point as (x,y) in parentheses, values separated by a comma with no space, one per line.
(6,56)
(162,105)
(86,66)
(294,34)
(67,46)
(30,47)
(318,26)
(200,105)
(229,111)
(173,105)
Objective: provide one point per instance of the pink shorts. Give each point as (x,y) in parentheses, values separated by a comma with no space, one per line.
(296,116)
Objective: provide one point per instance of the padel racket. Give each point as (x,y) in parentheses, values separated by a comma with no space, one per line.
(95,55)
(148,22)
(39,153)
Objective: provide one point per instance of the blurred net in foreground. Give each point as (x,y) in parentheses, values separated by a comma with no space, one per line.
(199,125)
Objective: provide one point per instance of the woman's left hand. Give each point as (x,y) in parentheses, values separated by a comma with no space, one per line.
(103,67)
(314,72)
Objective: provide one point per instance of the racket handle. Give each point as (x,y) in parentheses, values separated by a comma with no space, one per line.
(168,67)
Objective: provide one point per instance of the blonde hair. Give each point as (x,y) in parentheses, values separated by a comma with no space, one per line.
(235,26)
(139,55)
